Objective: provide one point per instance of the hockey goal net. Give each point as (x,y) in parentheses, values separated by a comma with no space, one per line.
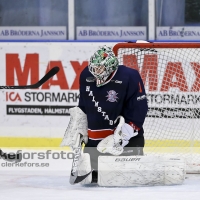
(171,75)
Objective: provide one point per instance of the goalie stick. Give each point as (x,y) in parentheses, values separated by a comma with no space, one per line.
(74,178)
(50,74)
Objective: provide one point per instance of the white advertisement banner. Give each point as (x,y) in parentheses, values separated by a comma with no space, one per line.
(111,33)
(45,111)
(33,33)
(178,33)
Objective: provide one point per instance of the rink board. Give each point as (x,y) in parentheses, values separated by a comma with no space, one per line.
(30,118)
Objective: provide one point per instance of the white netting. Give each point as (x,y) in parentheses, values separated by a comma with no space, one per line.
(172,81)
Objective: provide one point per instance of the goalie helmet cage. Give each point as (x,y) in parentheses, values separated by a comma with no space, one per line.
(171,75)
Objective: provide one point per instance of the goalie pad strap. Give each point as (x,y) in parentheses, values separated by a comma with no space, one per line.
(140,170)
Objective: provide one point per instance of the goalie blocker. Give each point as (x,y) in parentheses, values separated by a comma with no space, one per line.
(140,171)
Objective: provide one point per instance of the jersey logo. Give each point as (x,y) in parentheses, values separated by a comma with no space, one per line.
(141,97)
(140,88)
(116,81)
(112,96)
(90,79)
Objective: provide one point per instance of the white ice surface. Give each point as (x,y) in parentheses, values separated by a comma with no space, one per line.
(53,184)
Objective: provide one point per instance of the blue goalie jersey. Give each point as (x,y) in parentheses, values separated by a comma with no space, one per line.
(124,95)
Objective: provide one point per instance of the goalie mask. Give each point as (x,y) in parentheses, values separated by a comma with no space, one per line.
(103,65)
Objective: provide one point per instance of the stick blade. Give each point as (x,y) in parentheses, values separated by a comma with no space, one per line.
(77,179)
(49,75)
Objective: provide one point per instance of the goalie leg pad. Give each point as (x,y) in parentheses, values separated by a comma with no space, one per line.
(78,125)
(84,167)
(140,171)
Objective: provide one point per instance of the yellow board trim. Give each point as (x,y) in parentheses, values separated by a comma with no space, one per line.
(172,143)
(55,142)
(29,142)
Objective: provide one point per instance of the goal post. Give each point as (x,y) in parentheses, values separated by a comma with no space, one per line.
(171,75)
